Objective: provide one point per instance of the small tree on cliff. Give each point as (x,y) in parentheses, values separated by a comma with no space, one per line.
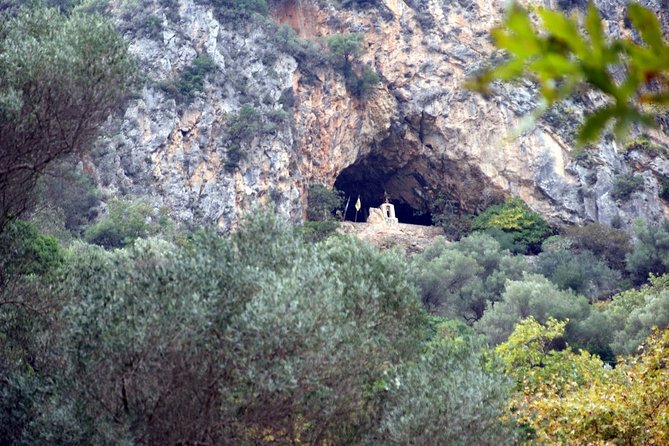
(345,48)
(346,51)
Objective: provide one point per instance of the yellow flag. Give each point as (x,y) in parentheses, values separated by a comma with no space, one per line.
(358,205)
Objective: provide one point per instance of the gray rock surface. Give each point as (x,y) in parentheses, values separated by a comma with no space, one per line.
(419,133)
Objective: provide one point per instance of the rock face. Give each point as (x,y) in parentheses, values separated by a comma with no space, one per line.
(411,239)
(274,116)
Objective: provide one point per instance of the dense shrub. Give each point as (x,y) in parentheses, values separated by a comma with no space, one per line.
(643,143)
(582,272)
(650,253)
(322,203)
(25,251)
(447,214)
(633,313)
(447,396)
(608,243)
(526,228)
(534,296)
(125,222)
(625,185)
(247,124)
(70,192)
(231,330)
(307,54)
(459,280)
(361,85)
(345,51)
(663,193)
(61,76)
(191,80)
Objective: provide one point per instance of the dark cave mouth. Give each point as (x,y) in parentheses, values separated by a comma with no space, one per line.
(372,180)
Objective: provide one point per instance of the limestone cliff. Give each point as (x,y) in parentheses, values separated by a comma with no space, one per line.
(419,134)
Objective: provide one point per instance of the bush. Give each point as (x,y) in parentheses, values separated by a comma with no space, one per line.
(125,222)
(634,313)
(345,52)
(307,54)
(192,78)
(643,144)
(459,280)
(448,215)
(625,185)
(361,86)
(650,253)
(322,203)
(526,228)
(664,190)
(61,76)
(582,272)
(609,243)
(253,335)
(447,396)
(241,128)
(72,193)
(532,296)
(24,251)
(153,26)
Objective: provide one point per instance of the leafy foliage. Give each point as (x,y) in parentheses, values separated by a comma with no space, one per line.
(533,296)
(526,228)
(246,125)
(582,272)
(571,398)
(544,370)
(257,337)
(323,202)
(565,54)
(608,243)
(24,251)
(447,396)
(60,78)
(346,50)
(625,185)
(644,144)
(633,314)
(650,253)
(191,80)
(460,279)
(447,214)
(322,206)
(125,222)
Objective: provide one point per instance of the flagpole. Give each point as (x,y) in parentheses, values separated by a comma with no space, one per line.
(346,208)
(357,208)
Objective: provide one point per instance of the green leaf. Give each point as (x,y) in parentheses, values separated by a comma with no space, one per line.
(648,25)
(593,23)
(520,47)
(566,30)
(510,70)
(595,124)
(554,66)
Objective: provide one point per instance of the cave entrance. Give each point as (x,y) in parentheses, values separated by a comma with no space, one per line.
(373,179)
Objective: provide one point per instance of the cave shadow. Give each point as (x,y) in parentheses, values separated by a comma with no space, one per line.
(370,179)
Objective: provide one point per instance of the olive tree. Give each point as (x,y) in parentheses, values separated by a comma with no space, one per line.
(60,78)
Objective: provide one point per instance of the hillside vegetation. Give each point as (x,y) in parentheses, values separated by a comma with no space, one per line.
(120,326)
